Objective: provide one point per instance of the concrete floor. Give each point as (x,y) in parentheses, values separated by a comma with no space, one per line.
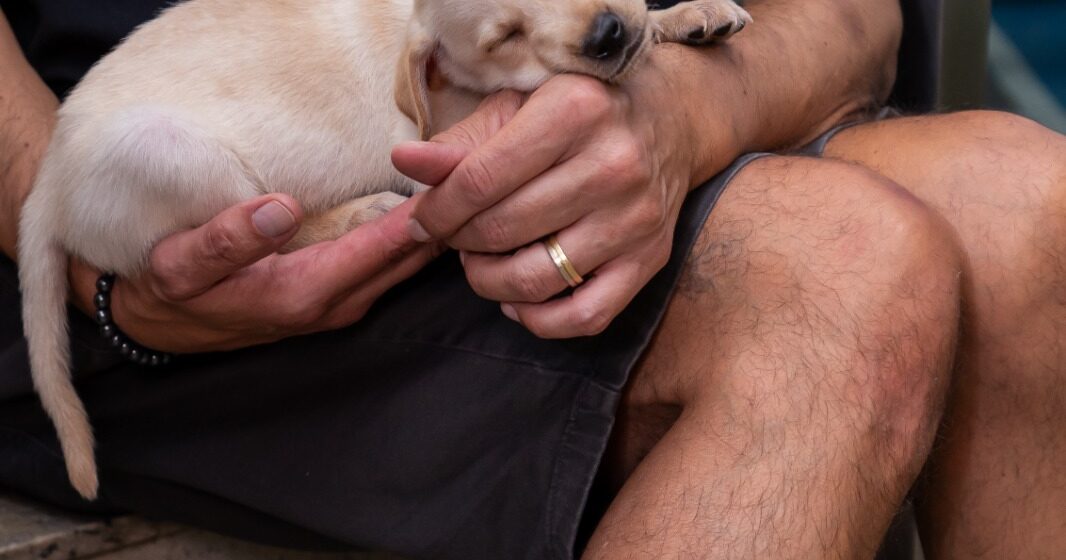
(30,531)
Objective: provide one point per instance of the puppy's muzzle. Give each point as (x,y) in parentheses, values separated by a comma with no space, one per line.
(613,44)
(607,38)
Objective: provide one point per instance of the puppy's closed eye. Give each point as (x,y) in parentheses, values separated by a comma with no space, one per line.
(507,34)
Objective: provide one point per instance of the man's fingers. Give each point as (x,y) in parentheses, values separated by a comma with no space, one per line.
(353,307)
(538,137)
(556,199)
(428,163)
(493,113)
(431,162)
(530,276)
(363,252)
(188,263)
(586,312)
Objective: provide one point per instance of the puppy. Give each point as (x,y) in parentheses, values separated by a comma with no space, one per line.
(218,101)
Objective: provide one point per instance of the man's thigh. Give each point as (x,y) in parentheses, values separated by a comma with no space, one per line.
(795,248)
(996,182)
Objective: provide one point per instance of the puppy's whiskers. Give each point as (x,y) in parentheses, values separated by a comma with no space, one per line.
(633,53)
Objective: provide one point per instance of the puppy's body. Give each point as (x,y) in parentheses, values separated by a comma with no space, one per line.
(286,97)
(218,101)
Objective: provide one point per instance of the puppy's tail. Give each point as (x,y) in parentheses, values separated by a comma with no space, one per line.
(43,277)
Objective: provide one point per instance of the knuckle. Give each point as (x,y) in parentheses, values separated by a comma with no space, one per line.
(529,284)
(392,253)
(169,289)
(298,315)
(625,164)
(587,98)
(649,216)
(539,327)
(387,247)
(493,233)
(592,318)
(478,283)
(167,280)
(477,179)
(223,243)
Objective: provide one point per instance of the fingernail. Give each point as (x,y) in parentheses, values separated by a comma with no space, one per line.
(273,219)
(462,257)
(509,311)
(417,232)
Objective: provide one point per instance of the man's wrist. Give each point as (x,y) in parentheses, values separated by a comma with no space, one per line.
(708,119)
(780,83)
(19,160)
(29,112)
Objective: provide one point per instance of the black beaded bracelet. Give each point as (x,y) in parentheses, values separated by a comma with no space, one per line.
(131,350)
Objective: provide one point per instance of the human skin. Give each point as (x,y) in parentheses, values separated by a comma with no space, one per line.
(758,317)
(993,487)
(799,104)
(199,281)
(662,156)
(178,306)
(992,188)
(996,485)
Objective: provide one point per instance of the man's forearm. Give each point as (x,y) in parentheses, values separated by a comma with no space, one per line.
(27,114)
(802,66)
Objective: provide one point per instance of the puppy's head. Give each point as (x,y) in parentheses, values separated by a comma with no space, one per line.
(488,45)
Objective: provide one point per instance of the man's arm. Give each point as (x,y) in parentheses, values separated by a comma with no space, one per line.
(27,115)
(606,169)
(799,69)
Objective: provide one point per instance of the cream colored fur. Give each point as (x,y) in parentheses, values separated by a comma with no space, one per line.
(218,101)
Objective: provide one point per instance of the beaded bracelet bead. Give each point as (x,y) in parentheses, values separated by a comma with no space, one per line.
(131,350)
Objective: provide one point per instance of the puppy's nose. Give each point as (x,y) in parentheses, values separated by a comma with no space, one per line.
(607,37)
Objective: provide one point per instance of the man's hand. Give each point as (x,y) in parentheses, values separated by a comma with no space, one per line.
(222,285)
(591,163)
(607,168)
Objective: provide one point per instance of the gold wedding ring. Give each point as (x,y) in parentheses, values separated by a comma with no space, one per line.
(563,264)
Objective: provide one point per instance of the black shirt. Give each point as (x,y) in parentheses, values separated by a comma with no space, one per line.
(63,38)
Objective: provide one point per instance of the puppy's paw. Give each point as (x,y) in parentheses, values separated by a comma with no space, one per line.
(372,207)
(700,22)
(342,219)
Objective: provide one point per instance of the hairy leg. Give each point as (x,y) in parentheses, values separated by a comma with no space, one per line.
(997,484)
(798,375)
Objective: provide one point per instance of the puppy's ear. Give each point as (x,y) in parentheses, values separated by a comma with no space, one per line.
(412,80)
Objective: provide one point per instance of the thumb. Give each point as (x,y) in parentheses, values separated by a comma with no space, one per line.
(188,263)
(431,162)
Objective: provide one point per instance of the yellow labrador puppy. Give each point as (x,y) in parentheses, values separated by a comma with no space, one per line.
(218,101)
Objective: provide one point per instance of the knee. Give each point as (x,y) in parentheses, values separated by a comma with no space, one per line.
(1012,221)
(885,270)
(903,296)
(850,229)
(1020,163)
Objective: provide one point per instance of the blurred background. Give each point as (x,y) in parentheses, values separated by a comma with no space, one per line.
(1027,60)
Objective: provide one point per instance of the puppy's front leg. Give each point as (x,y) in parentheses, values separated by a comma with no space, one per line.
(699,22)
(342,219)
